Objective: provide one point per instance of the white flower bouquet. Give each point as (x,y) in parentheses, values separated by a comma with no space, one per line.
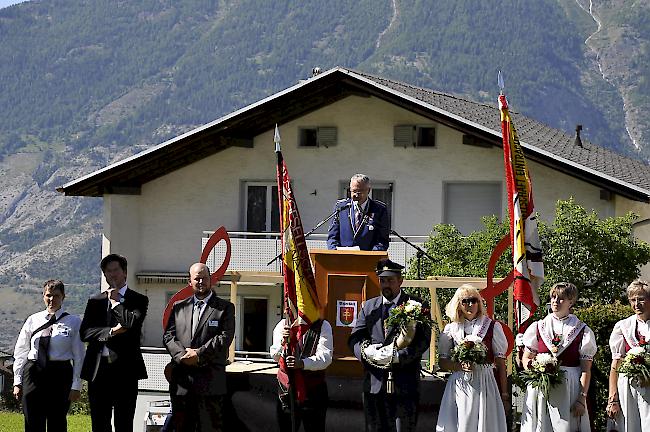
(543,373)
(406,317)
(636,365)
(470,350)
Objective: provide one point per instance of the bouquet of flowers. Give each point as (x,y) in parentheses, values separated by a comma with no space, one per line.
(543,373)
(405,317)
(409,314)
(470,350)
(636,364)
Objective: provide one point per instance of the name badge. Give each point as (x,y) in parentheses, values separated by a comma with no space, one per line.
(61,330)
(213,323)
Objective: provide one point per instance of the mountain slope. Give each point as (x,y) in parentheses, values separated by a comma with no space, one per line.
(86,83)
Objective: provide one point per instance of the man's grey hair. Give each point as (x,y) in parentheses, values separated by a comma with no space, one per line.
(362,178)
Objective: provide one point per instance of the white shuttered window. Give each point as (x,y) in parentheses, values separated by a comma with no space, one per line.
(466,203)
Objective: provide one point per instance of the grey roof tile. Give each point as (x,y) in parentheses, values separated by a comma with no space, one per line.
(531,132)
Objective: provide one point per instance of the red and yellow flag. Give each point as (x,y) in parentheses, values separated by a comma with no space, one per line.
(526,248)
(301,300)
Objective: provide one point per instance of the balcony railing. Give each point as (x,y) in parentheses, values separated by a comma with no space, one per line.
(253,251)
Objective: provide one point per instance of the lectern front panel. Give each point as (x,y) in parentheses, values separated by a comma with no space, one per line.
(346,292)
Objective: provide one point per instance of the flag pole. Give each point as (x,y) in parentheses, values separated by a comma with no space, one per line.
(287,342)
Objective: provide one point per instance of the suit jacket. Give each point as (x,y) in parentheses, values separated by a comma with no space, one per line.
(214,333)
(125,353)
(371,235)
(406,373)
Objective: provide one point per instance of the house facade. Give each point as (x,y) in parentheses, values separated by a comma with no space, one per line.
(432,158)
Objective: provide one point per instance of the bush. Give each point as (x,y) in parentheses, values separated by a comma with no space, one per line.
(9,403)
(601,319)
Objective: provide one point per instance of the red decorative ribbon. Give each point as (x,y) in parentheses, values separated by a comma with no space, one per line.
(492,290)
(216,237)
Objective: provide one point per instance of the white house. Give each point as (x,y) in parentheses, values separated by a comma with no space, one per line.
(431,156)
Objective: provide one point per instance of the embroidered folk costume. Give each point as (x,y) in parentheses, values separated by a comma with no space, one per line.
(471,401)
(571,341)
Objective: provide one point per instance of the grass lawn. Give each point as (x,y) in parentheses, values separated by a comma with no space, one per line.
(14,422)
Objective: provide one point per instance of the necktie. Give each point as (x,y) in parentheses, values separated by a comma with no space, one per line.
(196,315)
(44,342)
(358,217)
(384,316)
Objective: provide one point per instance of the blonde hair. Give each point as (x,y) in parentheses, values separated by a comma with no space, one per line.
(565,290)
(452,310)
(638,286)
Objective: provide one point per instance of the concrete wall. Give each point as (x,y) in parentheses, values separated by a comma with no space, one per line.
(161,229)
(641,226)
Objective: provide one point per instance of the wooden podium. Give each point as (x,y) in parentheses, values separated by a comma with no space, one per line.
(345,279)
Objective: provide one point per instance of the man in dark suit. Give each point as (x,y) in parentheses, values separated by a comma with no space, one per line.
(198,336)
(388,409)
(359,220)
(112,326)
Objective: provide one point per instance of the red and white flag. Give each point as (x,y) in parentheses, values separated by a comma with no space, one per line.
(526,247)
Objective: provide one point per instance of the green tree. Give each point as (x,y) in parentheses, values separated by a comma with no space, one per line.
(600,256)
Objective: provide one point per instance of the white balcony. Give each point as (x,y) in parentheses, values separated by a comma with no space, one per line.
(253,251)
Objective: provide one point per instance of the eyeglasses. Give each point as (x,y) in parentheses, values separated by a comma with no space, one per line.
(637,300)
(469,301)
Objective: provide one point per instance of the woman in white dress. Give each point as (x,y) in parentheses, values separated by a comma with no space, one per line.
(472,401)
(573,343)
(629,403)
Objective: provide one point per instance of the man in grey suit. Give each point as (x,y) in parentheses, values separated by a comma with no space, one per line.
(388,409)
(198,336)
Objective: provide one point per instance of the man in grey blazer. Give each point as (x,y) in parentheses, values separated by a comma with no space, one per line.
(198,336)
(385,410)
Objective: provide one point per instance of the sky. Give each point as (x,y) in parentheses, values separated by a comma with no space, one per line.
(5,3)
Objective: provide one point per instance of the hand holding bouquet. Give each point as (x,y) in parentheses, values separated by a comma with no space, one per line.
(409,313)
(406,317)
(543,373)
(469,352)
(636,365)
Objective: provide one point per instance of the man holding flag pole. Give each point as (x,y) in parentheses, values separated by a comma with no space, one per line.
(526,247)
(302,342)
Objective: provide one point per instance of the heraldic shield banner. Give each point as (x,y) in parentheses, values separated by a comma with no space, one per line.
(346,313)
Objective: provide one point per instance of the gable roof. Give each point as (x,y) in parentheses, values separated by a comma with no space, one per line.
(548,146)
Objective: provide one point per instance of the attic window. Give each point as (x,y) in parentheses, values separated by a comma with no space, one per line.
(426,136)
(475,141)
(317,136)
(414,136)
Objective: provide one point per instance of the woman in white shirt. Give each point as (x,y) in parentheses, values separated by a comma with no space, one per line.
(567,338)
(629,403)
(47,366)
(472,401)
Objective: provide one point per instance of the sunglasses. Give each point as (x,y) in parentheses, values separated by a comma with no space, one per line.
(469,301)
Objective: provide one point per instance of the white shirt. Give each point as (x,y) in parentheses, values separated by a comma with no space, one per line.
(356,209)
(393,302)
(626,331)
(112,304)
(321,359)
(205,302)
(65,344)
(454,333)
(360,207)
(568,328)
